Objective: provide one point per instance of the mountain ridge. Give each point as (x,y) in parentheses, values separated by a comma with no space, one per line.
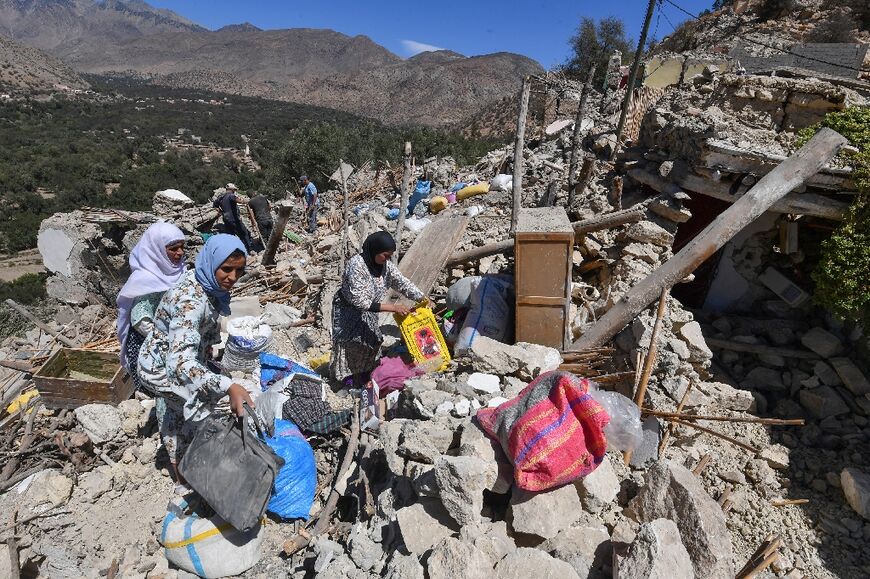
(321,67)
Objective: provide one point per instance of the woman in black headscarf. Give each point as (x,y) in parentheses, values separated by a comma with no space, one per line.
(356,334)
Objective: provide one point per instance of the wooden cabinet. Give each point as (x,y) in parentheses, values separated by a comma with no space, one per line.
(544,245)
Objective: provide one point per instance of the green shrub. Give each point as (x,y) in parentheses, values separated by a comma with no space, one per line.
(842,275)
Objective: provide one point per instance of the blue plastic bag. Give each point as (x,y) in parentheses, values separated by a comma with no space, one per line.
(297,480)
(420,192)
(393,214)
(274,368)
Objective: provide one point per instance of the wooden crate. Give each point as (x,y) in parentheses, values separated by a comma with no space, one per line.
(74,377)
(543,247)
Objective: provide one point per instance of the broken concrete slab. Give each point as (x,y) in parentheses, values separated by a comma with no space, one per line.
(822,342)
(657,552)
(649,232)
(525,562)
(526,361)
(766,379)
(474,442)
(491,538)
(648,449)
(856,487)
(851,375)
(424,524)
(673,492)
(727,396)
(545,514)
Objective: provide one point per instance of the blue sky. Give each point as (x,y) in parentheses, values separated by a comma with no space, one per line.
(536,28)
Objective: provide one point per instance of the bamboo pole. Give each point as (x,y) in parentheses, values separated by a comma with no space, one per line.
(767,421)
(519,146)
(667,435)
(790,174)
(650,359)
(403,206)
(711,432)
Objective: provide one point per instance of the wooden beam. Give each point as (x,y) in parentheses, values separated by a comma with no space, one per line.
(39,324)
(772,187)
(575,137)
(345,217)
(598,223)
(284,207)
(792,203)
(403,207)
(519,146)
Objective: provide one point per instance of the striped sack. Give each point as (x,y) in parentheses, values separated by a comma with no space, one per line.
(552,431)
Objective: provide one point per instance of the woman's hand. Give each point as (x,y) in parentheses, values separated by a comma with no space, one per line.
(238,397)
(396,308)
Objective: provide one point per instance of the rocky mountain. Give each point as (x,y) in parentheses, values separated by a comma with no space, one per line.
(310,66)
(27,69)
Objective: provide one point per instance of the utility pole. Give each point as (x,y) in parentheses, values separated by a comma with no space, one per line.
(632,77)
(519,146)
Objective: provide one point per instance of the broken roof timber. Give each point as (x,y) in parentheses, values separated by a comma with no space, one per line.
(727,157)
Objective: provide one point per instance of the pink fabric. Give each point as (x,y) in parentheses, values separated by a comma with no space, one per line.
(391,373)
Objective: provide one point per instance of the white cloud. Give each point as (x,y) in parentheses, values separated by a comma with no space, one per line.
(412,47)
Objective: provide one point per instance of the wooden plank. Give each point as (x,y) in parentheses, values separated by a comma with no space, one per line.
(428,255)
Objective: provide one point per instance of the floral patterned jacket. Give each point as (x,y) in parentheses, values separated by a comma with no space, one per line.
(173,356)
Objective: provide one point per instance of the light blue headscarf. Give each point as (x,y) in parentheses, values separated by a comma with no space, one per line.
(216,251)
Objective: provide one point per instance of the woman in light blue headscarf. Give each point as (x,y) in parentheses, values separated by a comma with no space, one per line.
(173,360)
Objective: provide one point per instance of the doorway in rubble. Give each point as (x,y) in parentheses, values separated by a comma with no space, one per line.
(704,210)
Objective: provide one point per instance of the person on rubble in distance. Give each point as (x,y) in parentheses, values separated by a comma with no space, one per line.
(156,264)
(174,359)
(356,333)
(228,203)
(309,196)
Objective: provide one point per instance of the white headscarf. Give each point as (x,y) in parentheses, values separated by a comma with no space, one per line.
(151,271)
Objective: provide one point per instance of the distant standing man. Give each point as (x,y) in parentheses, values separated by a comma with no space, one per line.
(228,203)
(263,215)
(309,191)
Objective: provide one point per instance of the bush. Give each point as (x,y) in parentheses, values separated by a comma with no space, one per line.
(836,28)
(842,275)
(770,9)
(27,289)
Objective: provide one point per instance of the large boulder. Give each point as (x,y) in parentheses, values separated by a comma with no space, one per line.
(547,513)
(525,563)
(526,361)
(100,422)
(673,492)
(453,558)
(599,488)
(823,402)
(424,524)
(822,342)
(856,487)
(586,548)
(461,482)
(656,553)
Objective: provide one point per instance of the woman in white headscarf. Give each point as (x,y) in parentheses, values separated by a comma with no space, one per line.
(156,264)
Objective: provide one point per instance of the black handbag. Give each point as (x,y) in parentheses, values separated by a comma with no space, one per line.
(232,469)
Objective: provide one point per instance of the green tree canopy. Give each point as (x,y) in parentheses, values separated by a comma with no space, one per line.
(594,42)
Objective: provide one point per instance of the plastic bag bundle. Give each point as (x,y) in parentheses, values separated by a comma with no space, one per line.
(207,546)
(490,314)
(624,432)
(501,183)
(248,336)
(297,479)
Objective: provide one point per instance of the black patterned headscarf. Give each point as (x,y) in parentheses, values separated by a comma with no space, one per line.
(377,242)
